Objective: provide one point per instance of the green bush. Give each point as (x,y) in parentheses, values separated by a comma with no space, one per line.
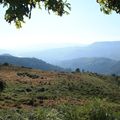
(5,64)
(2,85)
(100,111)
(77,70)
(53,114)
(24,74)
(72,112)
(95,110)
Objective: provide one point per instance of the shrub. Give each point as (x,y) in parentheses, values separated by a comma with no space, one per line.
(77,70)
(39,114)
(24,74)
(95,110)
(6,64)
(53,115)
(2,85)
(101,112)
(70,112)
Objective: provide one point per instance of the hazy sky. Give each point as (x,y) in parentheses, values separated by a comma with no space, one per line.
(85,24)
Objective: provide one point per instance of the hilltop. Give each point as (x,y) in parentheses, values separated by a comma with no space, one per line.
(29,90)
(28,62)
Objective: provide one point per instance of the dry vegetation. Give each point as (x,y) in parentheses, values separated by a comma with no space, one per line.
(28,89)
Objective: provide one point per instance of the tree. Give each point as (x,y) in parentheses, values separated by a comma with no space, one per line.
(77,70)
(18,9)
(107,6)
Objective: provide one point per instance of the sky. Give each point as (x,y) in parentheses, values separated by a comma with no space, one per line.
(84,25)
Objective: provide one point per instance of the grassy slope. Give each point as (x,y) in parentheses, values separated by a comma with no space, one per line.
(52,89)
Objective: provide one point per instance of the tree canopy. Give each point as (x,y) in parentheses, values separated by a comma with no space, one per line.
(107,6)
(17,10)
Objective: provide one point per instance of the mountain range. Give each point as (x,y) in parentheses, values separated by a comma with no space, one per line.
(28,62)
(100,57)
(97,49)
(98,65)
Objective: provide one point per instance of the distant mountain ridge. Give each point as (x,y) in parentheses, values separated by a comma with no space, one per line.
(97,49)
(28,62)
(6,54)
(101,57)
(106,49)
(99,65)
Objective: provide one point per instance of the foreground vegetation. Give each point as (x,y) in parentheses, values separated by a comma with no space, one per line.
(27,94)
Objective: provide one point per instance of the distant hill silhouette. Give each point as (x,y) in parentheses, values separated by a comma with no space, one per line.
(101,57)
(116,68)
(97,49)
(28,62)
(99,65)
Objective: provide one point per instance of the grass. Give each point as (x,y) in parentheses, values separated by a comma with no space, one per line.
(58,95)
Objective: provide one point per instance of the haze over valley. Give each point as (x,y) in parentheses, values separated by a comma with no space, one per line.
(100,57)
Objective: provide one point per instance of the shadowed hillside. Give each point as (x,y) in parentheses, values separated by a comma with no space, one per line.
(28,62)
(99,65)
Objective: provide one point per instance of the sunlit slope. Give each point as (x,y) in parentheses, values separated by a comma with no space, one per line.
(29,87)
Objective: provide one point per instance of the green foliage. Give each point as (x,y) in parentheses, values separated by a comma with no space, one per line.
(100,111)
(18,9)
(38,114)
(107,6)
(2,85)
(70,112)
(33,76)
(95,110)
(54,115)
(77,70)
(12,115)
(5,64)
